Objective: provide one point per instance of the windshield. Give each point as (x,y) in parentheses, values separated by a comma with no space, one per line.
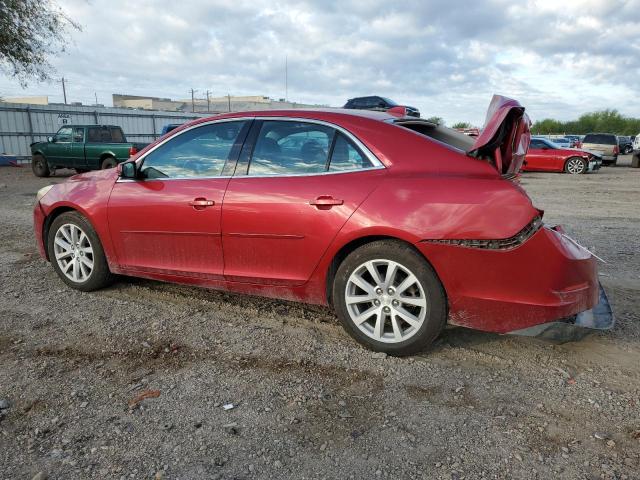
(389,102)
(543,142)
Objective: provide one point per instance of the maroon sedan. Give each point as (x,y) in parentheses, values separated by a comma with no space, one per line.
(545,156)
(401,225)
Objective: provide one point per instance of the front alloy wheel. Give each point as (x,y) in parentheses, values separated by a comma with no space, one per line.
(576,166)
(76,253)
(73,252)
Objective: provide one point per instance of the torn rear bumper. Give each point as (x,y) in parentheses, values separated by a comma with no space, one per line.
(599,317)
(544,279)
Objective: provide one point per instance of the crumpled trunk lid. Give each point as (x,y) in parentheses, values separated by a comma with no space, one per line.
(505,137)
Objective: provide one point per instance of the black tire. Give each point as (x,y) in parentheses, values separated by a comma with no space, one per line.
(627,150)
(403,254)
(100,276)
(39,166)
(576,166)
(108,162)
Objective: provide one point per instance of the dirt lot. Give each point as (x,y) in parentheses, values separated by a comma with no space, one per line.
(307,401)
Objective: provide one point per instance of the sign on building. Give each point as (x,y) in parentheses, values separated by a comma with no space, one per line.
(64,118)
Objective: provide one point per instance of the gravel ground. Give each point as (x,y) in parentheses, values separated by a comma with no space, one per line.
(307,401)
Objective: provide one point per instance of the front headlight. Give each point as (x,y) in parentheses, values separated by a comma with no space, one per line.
(42,192)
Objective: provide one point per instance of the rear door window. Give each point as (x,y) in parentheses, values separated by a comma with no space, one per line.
(600,139)
(345,156)
(303,148)
(116,135)
(291,148)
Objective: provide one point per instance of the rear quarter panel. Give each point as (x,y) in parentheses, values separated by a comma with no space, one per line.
(444,207)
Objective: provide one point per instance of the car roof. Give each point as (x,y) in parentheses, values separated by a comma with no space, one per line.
(311,113)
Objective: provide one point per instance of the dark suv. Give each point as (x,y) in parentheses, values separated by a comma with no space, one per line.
(378,103)
(625,144)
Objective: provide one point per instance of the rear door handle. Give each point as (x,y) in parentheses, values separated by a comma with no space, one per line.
(326,201)
(200,203)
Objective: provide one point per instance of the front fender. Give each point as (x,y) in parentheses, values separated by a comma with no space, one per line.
(87,194)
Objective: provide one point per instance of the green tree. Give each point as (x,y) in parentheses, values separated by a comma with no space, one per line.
(604,121)
(30,32)
(438,120)
(461,125)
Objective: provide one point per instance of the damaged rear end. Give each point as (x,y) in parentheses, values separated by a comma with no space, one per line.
(540,282)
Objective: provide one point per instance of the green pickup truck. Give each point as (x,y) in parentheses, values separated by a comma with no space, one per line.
(82,147)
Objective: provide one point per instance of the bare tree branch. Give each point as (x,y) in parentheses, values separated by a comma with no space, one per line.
(31,31)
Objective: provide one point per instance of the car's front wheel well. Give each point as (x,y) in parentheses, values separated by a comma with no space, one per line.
(350,247)
(49,220)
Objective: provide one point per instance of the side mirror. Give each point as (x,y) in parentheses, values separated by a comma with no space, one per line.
(127,170)
(51,139)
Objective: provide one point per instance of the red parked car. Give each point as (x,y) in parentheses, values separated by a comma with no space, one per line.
(402,226)
(546,156)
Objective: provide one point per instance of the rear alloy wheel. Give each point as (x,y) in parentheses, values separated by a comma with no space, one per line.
(575,165)
(76,253)
(389,298)
(40,166)
(108,162)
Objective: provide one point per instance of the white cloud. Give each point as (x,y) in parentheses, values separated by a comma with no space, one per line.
(447,57)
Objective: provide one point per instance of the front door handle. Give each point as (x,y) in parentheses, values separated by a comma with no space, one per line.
(201,203)
(325,202)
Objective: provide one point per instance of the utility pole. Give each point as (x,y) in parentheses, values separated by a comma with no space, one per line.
(64,91)
(229,100)
(286,78)
(208,103)
(96,95)
(193,101)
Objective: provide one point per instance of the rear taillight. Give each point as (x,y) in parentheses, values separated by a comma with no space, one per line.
(616,149)
(132,151)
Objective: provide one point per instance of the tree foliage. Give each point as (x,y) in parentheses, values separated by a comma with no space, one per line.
(437,120)
(31,31)
(461,125)
(605,121)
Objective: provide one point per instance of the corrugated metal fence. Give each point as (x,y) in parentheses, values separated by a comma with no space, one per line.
(21,125)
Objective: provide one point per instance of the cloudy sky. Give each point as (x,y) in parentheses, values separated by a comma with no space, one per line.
(446,57)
